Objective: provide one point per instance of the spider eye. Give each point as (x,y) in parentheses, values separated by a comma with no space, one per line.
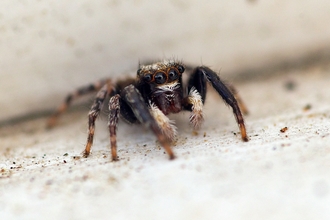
(147,78)
(181,68)
(160,78)
(172,74)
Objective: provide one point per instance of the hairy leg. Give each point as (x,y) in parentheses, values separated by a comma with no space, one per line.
(133,98)
(194,103)
(71,97)
(105,91)
(114,108)
(165,124)
(228,94)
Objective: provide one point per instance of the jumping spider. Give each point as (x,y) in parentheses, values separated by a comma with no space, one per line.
(157,91)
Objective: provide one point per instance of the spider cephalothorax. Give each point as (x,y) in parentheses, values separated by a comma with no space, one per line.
(161,84)
(158,90)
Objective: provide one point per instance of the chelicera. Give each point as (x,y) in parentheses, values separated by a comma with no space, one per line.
(157,91)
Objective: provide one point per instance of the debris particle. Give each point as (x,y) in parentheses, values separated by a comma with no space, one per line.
(284,129)
(307,107)
(66,154)
(85,177)
(290,85)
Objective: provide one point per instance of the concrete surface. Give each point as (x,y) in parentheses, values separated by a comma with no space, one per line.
(50,47)
(276,175)
(277,53)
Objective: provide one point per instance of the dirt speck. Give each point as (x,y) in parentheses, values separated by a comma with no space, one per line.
(284,129)
(307,107)
(76,157)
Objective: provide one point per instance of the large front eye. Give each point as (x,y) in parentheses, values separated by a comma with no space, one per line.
(147,78)
(160,78)
(172,74)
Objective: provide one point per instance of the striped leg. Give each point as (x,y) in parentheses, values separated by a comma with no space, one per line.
(114,108)
(71,97)
(133,98)
(105,91)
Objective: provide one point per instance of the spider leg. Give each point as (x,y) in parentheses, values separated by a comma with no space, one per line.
(228,94)
(196,97)
(71,97)
(166,125)
(194,103)
(133,98)
(114,108)
(101,95)
(240,102)
(198,81)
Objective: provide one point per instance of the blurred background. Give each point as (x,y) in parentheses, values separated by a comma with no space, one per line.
(49,48)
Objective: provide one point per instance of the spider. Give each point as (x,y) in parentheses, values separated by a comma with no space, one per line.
(157,91)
